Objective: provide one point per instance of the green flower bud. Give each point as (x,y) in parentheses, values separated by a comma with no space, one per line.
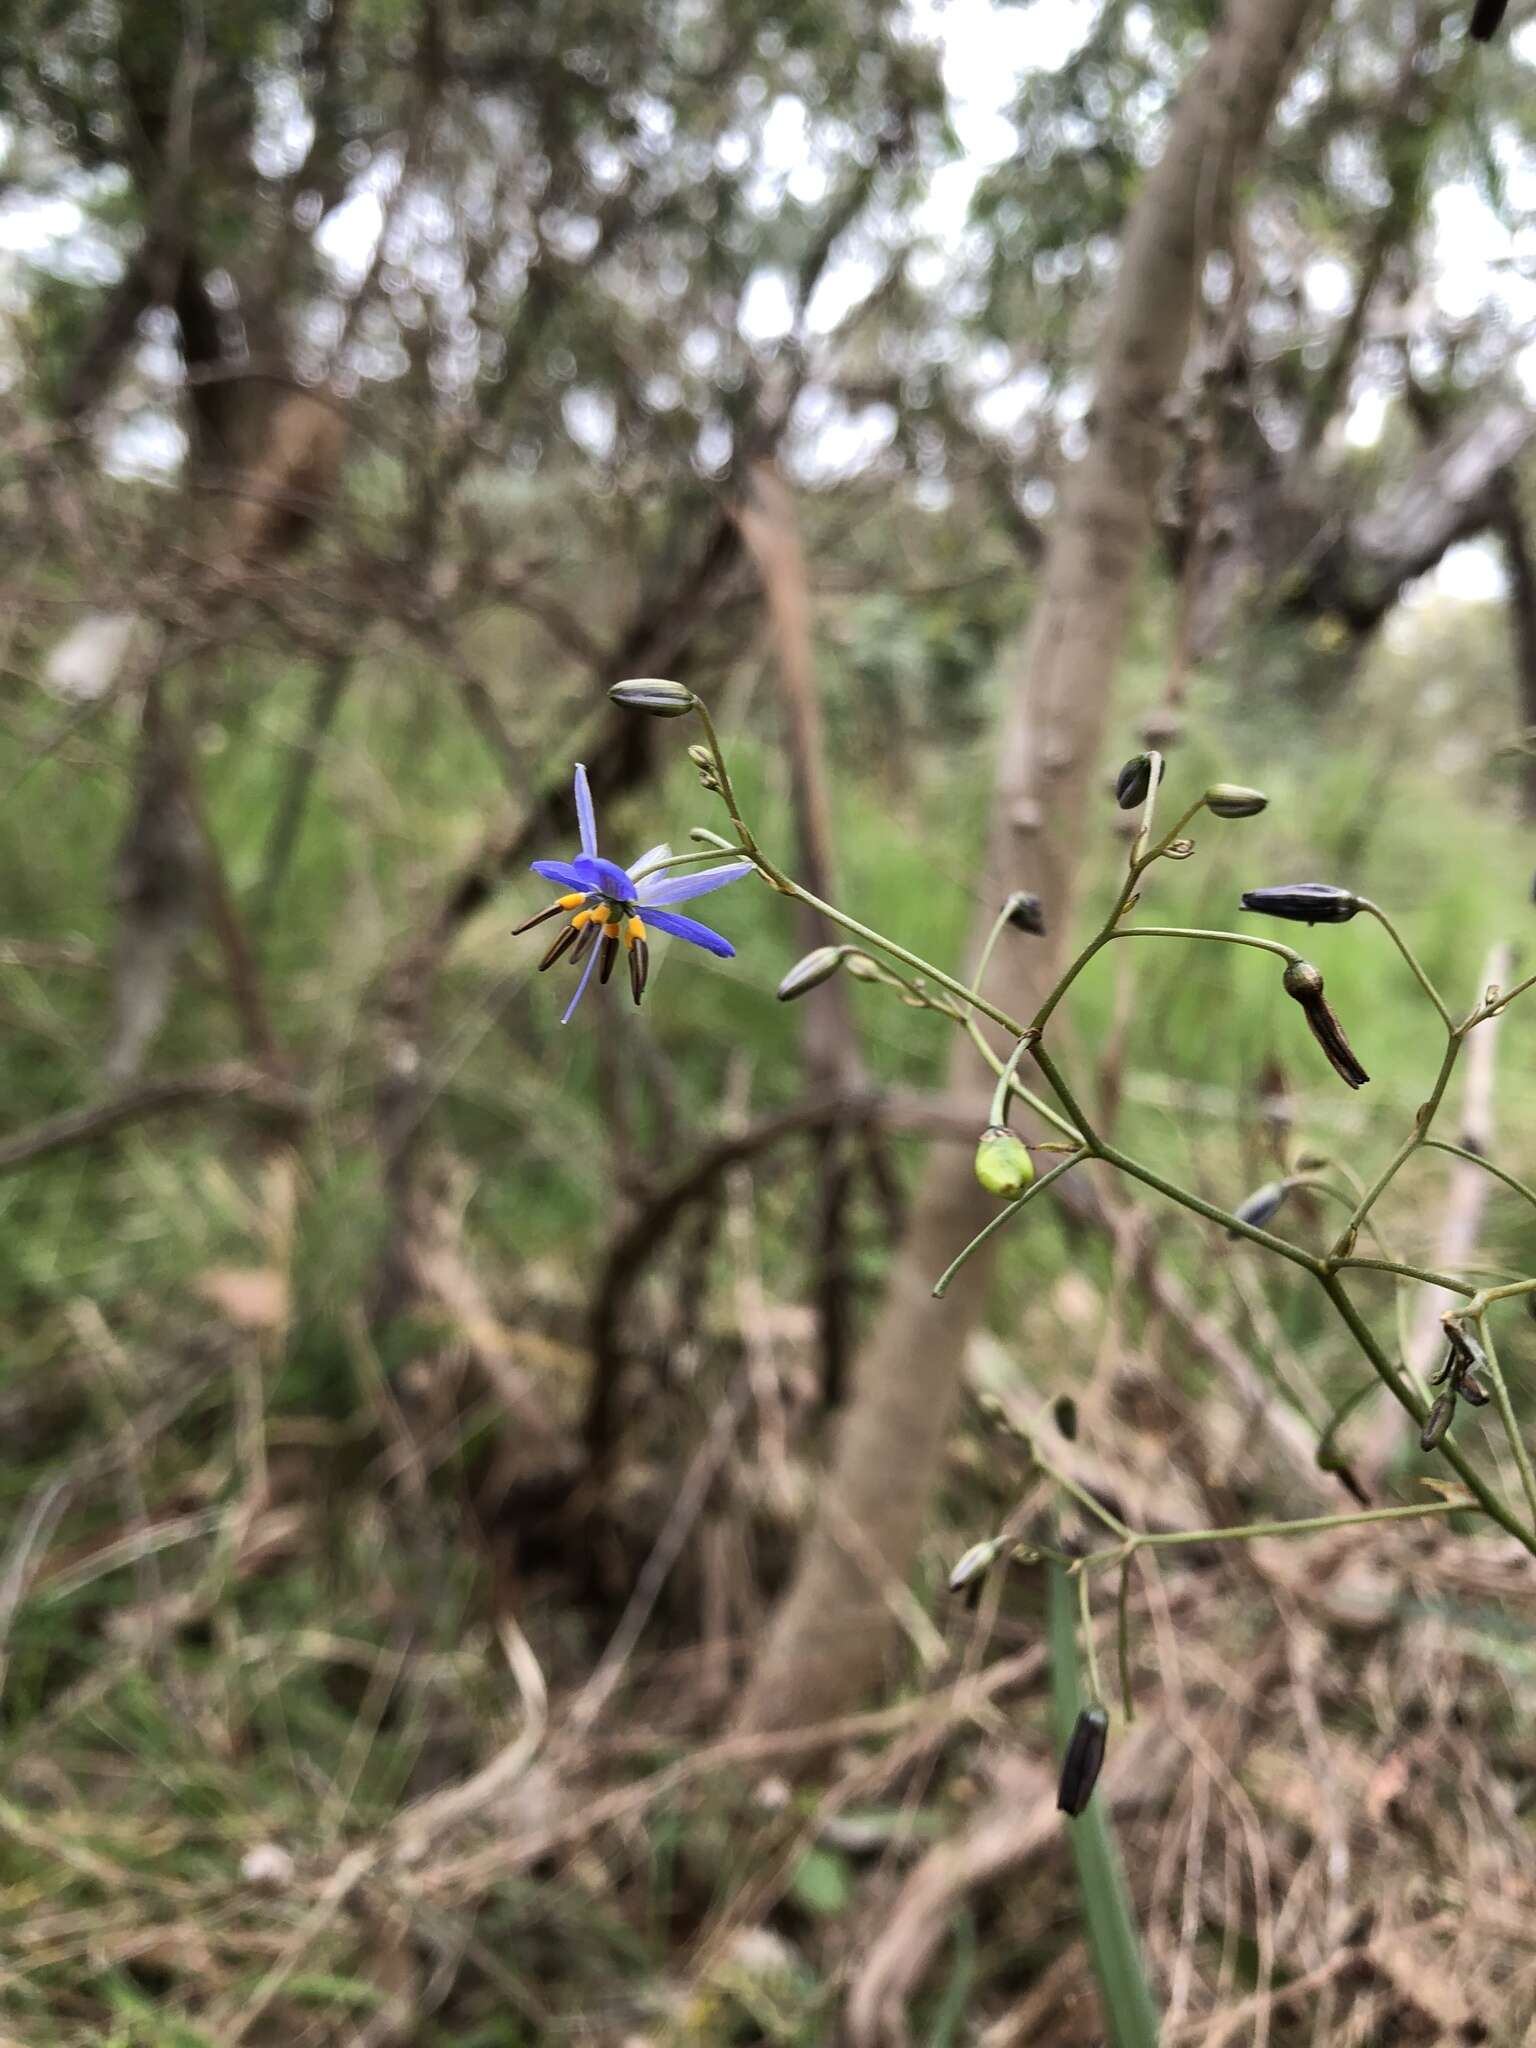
(810,972)
(1230,800)
(1133,782)
(655,694)
(1003,1164)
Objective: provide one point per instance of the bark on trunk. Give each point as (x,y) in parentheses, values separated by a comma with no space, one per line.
(829,1638)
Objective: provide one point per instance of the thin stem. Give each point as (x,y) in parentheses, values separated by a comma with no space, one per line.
(1003,1216)
(999,1112)
(723,775)
(1123,1639)
(1416,1137)
(1085,1616)
(1250,1532)
(1403,1271)
(1507,1416)
(1024,1095)
(1179,931)
(1409,955)
(1476,1159)
(989,946)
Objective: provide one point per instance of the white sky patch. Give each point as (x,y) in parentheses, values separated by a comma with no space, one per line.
(30,226)
(1329,287)
(1468,242)
(767,314)
(1367,417)
(1471,573)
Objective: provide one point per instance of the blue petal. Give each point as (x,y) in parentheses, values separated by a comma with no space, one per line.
(695,934)
(581,986)
(678,888)
(606,876)
(586,817)
(562,872)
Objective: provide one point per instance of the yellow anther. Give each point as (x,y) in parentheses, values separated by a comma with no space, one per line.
(570,902)
(599,913)
(582,917)
(634,932)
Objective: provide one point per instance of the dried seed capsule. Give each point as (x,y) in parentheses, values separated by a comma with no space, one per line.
(1133,782)
(1026,913)
(1466,1352)
(1304,903)
(1439,1420)
(1231,800)
(663,699)
(1305,983)
(810,972)
(1261,1205)
(1473,1391)
(1003,1164)
(1083,1761)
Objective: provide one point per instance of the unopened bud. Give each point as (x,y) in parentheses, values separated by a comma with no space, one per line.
(1231,800)
(1026,913)
(1003,1164)
(1133,782)
(1261,1205)
(1304,903)
(810,972)
(663,699)
(975,1564)
(1473,1390)
(1083,1761)
(1064,1409)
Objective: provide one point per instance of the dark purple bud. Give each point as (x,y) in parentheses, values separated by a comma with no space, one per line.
(1064,1409)
(1133,782)
(1472,1390)
(1439,1420)
(1083,1761)
(1026,913)
(1304,903)
(1261,1205)
(1305,983)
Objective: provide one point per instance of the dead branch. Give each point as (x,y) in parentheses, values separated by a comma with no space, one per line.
(230,1081)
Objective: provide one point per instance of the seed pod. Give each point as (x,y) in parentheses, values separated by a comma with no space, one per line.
(975,1564)
(1133,782)
(1473,1391)
(1064,1409)
(810,972)
(1003,1164)
(1231,800)
(1026,913)
(1439,1420)
(1260,1205)
(1305,983)
(1083,1761)
(1304,903)
(663,699)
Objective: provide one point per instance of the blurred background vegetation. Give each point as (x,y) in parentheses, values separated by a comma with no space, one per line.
(380,380)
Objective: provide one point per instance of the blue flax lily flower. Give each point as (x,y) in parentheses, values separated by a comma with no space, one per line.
(603,902)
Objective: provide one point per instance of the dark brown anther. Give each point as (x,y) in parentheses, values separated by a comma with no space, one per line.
(639,967)
(1305,983)
(1439,1420)
(539,917)
(566,939)
(584,944)
(1083,1761)
(610,952)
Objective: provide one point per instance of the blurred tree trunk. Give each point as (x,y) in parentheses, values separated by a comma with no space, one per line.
(1514,531)
(828,1640)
